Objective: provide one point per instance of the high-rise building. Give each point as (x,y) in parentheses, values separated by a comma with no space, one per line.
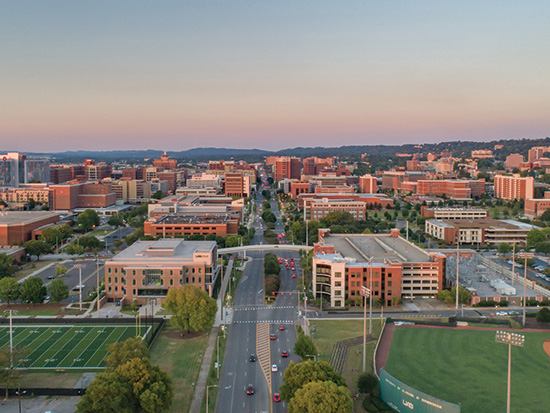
(287,167)
(36,171)
(368,184)
(165,162)
(514,160)
(511,187)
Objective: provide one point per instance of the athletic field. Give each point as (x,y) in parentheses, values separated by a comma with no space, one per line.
(468,367)
(65,346)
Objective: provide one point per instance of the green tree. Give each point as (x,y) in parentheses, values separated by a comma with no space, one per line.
(546,214)
(321,396)
(108,393)
(90,243)
(534,237)
(116,220)
(367,383)
(37,248)
(9,289)
(297,375)
(304,346)
(124,351)
(7,265)
(32,290)
(232,241)
(74,249)
(543,316)
(11,364)
(59,291)
(54,235)
(87,220)
(158,195)
(60,270)
(504,248)
(192,309)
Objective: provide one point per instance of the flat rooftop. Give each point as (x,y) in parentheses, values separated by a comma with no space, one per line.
(24,217)
(483,223)
(204,218)
(362,247)
(163,251)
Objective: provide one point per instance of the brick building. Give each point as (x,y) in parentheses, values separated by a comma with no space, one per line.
(368,184)
(287,167)
(451,188)
(165,162)
(512,187)
(453,213)
(147,270)
(298,187)
(514,160)
(534,208)
(69,196)
(237,184)
(392,266)
(180,225)
(16,227)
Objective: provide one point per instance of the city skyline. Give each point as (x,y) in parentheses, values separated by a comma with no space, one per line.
(182,75)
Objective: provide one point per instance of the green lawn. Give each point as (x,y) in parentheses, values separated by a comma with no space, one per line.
(212,376)
(470,368)
(65,347)
(328,332)
(31,267)
(181,359)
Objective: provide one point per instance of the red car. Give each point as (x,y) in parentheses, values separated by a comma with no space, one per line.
(287,267)
(272,337)
(293,268)
(293,275)
(284,354)
(281,328)
(250,389)
(276,397)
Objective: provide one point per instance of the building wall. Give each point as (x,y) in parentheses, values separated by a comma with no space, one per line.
(298,187)
(514,187)
(368,184)
(514,160)
(11,234)
(534,208)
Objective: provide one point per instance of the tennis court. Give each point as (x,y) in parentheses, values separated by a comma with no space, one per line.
(65,346)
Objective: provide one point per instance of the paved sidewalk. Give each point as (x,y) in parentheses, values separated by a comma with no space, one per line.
(220,316)
(200,387)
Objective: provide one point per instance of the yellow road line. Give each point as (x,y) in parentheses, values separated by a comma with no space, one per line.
(263,351)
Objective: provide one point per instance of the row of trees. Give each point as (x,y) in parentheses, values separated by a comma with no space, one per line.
(272,278)
(32,290)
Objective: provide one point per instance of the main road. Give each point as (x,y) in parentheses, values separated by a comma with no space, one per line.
(249,334)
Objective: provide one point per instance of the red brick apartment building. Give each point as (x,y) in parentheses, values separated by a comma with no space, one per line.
(147,270)
(512,187)
(16,227)
(394,267)
(179,225)
(368,184)
(367,199)
(287,167)
(451,188)
(534,208)
(69,196)
(237,184)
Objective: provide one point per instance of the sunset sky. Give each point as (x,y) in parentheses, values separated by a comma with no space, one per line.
(175,75)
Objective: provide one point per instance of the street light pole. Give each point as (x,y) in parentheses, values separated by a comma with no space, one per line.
(457,262)
(370,296)
(218,359)
(526,255)
(97,271)
(512,339)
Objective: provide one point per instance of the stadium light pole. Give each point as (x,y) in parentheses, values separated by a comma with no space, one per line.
(11,335)
(512,339)
(526,255)
(457,263)
(370,296)
(365,292)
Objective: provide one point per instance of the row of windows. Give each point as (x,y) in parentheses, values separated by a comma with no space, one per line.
(199,280)
(154,271)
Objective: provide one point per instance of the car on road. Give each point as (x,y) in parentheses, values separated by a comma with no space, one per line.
(273,337)
(252,358)
(293,275)
(502,313)
(293,268)
(274,368)
(284,354)
(250,389)
(276,397)
(78,287)
(51,277)
(281,328)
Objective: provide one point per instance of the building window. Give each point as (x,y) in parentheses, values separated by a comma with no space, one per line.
(133,282)
(187,280)
(171,281)
(192,280)
(116,270)
(109,280)
(389,283)
(338,274)
(109,270)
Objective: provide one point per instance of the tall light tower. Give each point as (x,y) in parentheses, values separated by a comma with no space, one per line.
(526,255)
(512,339)
(365,292)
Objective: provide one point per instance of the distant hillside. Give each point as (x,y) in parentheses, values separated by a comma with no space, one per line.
(459,149)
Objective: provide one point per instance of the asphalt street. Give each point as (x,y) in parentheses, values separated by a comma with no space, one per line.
(249,334)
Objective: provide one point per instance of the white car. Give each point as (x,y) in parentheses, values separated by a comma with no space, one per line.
(274,368)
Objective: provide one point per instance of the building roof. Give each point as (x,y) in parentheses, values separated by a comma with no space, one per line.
(163,251)
(24,217)
(361,247)
(482,223)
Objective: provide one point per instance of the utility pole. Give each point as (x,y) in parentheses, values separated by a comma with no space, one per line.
(97,271)
(370,296)
(513,263)
(526,255)
(80,286)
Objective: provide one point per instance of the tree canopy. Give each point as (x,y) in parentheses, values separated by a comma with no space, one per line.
(297,375)
(321,396)
(192,309)
(32,290)
(9,289)
(37,248)
(59,291)
(87,220)
(7,265)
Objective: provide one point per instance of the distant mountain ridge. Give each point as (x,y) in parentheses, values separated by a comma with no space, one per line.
(459,148)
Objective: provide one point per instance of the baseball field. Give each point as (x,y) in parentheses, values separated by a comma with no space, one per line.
(469,367)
